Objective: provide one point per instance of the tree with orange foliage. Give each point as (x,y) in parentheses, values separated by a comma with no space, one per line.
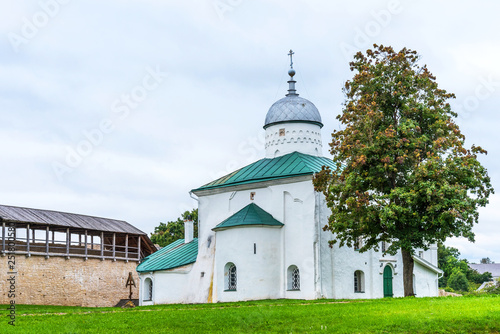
(404,174)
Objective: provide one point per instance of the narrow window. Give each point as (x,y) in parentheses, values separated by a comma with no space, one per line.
(359,281)
(148,290)
(255,248)
(293,276)
(421,254)
(384,247)
(358,244)
(230,277)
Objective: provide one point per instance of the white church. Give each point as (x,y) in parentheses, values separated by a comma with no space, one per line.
(261,232)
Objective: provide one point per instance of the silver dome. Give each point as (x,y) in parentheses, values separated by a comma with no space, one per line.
(293,108)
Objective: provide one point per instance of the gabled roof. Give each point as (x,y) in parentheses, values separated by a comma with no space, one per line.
(289,165)
(251,214)
(177,254)
(65,219)
(493,268)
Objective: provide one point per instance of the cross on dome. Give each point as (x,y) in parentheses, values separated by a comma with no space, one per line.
(291,72)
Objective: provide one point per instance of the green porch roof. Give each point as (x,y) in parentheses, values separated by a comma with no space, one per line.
(289,165)
(251,214)
(177,254)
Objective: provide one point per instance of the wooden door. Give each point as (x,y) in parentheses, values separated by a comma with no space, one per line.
(388,281)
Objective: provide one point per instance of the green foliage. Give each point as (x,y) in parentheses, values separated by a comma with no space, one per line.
(165,234)
(405,176)
(476,277)
(486,260)
(448,261)
(390,315)
(458,281)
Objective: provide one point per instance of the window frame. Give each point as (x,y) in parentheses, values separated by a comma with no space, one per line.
(293,278)
(358,244)
(148,290)
(359,281)
(230,277)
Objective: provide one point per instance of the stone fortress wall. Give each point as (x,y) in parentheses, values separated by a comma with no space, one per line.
(69,282)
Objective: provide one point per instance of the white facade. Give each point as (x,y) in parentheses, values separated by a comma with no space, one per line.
(286,138)
(263,255)
(250,262)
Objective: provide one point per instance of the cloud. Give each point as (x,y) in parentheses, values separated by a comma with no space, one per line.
(223,75)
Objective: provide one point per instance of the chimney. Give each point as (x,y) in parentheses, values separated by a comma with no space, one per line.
(188,230)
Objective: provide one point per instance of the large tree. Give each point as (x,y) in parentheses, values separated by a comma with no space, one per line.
(404,175)
(165,234)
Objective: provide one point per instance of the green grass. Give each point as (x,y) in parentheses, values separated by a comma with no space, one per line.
(411,315)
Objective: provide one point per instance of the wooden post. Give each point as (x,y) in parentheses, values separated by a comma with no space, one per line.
(3,237)
(102,245)
(92,241)
(28,239)
(53,236)
(114,246)
(34,240)
(126,246)
(85,244)
(68,240)
(47,240)
(139,248)
(79,239)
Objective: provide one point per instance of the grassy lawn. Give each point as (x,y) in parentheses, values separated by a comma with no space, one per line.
(414,315)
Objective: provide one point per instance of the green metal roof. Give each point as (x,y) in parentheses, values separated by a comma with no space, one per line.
(289,165)
(251,214)
(177,254)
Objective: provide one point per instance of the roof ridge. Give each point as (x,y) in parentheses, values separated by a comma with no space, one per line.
(264,218)
(285,166)
(64,212)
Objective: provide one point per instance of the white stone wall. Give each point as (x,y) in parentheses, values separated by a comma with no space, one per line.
(300,137)
(258,275)
(426,281)
(291,204)
(169,286)
(324,272)
(338,265)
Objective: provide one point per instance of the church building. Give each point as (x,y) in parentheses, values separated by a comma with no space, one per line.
(261,232)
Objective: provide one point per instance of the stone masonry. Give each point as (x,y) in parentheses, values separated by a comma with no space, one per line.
(69,282)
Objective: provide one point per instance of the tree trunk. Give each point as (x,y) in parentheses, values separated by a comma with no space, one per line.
(407,273)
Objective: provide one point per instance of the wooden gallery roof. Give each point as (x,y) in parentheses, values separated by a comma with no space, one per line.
(75,222)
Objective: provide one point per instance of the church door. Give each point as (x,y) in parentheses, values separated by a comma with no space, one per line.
(387,281)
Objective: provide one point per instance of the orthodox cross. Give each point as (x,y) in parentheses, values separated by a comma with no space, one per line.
(291,58)
(130,283)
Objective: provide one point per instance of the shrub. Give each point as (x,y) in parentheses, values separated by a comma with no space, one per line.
(493,289)
(458,281)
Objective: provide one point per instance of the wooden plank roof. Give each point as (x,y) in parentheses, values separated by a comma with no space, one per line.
(64,219)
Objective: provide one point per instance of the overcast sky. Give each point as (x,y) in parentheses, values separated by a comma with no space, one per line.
(119,108)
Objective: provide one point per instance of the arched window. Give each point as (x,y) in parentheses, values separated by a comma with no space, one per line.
(230,277)
(358,244)
(293,278)
(148,290)
(359,281)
